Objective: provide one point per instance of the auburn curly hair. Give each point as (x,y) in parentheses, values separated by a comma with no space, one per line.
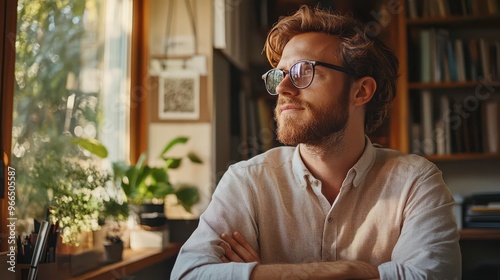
(366,55)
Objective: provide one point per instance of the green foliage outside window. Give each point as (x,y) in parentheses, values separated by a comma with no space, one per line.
(50,36)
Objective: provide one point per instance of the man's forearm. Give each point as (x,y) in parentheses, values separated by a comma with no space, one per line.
(318,270)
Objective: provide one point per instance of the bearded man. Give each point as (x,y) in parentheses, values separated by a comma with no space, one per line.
(329,205)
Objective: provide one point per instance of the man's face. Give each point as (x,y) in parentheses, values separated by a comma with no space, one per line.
(320,110)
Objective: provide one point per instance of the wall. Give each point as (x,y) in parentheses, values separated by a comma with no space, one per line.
(199,133)
(469,176)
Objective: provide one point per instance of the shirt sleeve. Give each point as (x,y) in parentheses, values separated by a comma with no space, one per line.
(428,247)
(199,257)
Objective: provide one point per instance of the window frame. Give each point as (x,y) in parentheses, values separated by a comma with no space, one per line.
(8,23)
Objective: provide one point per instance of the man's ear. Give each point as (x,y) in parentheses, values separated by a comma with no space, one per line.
(364,90)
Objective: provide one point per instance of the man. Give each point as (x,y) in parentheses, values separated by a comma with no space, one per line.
(331,205)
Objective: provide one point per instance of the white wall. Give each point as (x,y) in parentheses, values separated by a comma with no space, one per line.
(200,133)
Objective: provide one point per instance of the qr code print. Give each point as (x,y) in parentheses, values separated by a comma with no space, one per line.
(179,95)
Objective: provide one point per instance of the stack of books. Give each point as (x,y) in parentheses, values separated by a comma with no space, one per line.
(482,210)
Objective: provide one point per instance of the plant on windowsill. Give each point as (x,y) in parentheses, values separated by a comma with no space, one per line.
(115,215)
(147,186)
(72,184)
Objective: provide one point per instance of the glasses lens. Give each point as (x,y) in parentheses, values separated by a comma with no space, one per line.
(273,78)
(302,74)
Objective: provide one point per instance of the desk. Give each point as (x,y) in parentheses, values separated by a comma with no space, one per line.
(133,261)
(479,234)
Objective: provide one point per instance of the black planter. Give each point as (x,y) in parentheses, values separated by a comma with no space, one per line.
(152,208)
(113,252)
(152,215)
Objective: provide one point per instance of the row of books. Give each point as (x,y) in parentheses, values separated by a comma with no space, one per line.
(450,124)
(445,8)
(447,59)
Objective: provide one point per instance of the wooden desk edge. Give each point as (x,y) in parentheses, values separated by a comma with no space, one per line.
(479,234)
(133,261)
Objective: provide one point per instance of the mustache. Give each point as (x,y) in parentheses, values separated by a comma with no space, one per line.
(291,101)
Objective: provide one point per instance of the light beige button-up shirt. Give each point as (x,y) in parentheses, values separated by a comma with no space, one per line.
(393,211)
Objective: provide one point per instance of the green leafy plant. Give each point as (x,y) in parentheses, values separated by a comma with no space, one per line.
(114,214)
(75,205)
(73,186)
(144,184)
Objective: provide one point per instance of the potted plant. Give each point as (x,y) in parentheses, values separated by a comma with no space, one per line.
(147,186)
(115,214)
(75,207)
(72,185)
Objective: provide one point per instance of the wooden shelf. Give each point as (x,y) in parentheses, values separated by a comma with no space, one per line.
(456,21)
(452,85)
(463,156)
(479,234)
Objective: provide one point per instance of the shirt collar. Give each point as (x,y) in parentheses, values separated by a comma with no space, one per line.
(354,175)
(362,166)
(300,170)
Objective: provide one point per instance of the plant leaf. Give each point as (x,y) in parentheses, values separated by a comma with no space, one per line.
(92,145)
(194,158)
(161,190)
(159,174)
(172,163)
(141,160)
(187,196)
(172,143)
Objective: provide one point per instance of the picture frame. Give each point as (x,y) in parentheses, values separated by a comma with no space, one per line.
(179,95)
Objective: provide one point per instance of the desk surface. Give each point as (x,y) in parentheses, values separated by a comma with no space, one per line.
(133,261)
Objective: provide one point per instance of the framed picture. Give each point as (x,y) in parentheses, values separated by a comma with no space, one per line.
(179,95)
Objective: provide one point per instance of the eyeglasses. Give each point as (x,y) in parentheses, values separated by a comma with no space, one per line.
(301,74)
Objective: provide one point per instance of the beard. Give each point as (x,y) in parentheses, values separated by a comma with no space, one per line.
(322,123)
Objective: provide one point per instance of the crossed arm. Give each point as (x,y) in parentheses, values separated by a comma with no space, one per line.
(237,249)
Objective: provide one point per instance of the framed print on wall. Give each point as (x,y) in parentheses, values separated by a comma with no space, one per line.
(179,95)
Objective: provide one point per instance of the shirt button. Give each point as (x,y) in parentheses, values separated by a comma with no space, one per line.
(330,219)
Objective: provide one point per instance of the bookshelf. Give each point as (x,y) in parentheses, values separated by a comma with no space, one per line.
(449,88)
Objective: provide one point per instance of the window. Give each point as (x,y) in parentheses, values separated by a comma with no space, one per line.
(72,79)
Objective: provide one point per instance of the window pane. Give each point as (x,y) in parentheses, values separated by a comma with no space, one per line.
(72,77)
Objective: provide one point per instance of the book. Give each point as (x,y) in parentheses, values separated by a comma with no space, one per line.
(452,60)
(473,59)
(412,9)
(440,137)
(443,8)
(456,128)
(460,60)
(491,121)
(428,141)
(425,55)
(484,56)
(492,6)
(436,55)
(444,102)
(466,9)
(475,135)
